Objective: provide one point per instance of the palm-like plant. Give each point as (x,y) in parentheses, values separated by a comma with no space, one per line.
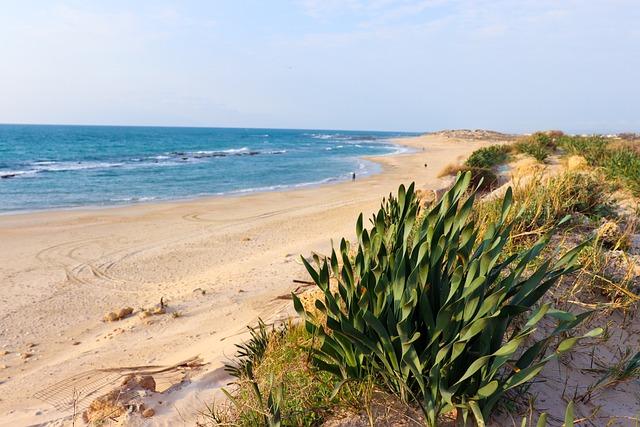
(430,309)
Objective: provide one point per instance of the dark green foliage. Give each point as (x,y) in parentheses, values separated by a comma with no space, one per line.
(429,310)
(489,157)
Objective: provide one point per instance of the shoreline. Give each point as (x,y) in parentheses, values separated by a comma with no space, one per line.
(219,263)
(374,164)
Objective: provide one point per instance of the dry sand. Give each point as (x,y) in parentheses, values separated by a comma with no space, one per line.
(219,264)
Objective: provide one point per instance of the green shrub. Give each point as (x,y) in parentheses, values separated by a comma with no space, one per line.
(489,157)
(429,310)
(593,148)
(624,165)
(538,145)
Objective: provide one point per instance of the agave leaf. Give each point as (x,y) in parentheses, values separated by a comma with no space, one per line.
(476,327)
(488,389)
(475,367)
(537,314)
(542,421)
(475,284)
(359,227)
(401,195)
(491,302)
(561,315)
(538,292)
(529,285)
(333,260)
(297,305)
(530,355)
(523,376)
(564,326)
(569,259)
(312,272)
(506,204)
(569,415)
(384,337)
(477,413)
(331,368)
(567,344)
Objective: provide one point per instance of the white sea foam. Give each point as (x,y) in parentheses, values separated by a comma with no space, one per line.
(236,150)
(321,136)
(66,166)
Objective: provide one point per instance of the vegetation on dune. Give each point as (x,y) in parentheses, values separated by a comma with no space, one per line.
(539,204)
(618,160)
(272,366)
(430,311)
(538,145)
(450,308)
(489,157)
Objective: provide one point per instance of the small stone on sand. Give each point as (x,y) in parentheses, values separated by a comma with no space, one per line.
(125,312)
(144,314)
(111,317)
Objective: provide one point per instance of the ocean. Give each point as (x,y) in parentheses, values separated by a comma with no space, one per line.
(45,167)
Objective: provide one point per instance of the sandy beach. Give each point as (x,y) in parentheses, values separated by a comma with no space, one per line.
(218,265)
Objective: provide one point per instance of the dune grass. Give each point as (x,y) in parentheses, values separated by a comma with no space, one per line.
(545,200)
(618,160)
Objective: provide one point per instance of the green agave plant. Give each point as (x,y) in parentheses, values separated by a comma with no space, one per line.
(429,309)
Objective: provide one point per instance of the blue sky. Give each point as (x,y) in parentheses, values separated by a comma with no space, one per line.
(398,65)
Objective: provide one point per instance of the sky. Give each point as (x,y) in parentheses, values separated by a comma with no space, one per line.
(396,65)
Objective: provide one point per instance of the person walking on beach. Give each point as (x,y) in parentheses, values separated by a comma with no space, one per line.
(353,176)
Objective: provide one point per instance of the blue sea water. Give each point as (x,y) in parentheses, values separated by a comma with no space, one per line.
(45,167)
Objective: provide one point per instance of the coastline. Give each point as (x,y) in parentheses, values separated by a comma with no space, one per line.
(220,263)
(185,165)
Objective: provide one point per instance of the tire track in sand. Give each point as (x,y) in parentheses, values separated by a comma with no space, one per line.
(81,270)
